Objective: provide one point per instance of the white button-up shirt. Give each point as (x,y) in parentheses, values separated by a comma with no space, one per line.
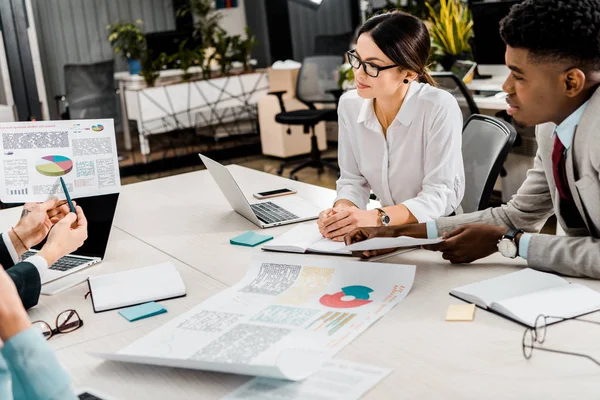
(418,163)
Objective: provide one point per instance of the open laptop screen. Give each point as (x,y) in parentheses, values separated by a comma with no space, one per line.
(100,212)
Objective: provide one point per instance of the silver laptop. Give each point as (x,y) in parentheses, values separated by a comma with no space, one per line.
(274,212)
(99,212)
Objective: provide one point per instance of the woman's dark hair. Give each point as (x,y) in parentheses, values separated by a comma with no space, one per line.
(404,39)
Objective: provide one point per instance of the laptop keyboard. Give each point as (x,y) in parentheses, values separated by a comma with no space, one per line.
(64,264)
(271,213)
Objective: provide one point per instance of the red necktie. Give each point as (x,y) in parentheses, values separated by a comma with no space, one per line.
(568,208)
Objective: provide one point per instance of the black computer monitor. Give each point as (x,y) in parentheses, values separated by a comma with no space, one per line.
(168,42)
(488,46)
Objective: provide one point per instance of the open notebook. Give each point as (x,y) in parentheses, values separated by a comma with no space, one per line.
(306,238)
(137,286)
(522,296)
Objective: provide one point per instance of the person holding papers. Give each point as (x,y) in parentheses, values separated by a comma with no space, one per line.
(553,52)
(29,369)
(399,135)
(69,231)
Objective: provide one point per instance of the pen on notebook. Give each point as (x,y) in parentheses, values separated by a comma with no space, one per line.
(62,182)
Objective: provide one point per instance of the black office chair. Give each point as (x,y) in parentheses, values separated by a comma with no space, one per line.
(90,92)
(316,84)
(486,142)
(453,84)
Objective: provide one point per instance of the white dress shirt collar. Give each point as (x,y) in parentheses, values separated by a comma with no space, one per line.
(404,116)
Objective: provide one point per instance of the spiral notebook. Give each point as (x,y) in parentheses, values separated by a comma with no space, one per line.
(138,286)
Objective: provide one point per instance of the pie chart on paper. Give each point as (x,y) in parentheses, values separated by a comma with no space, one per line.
(54,165)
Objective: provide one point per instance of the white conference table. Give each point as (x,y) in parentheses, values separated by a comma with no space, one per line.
(185,219)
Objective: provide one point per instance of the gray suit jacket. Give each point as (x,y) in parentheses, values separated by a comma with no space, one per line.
(578,254)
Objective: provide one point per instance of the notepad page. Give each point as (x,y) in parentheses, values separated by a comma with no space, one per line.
(137,286)
(297,239)
(565,301)
(503,287)
(328,246)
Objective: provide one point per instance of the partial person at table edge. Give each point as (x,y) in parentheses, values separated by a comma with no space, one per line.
(553,52)
(399,135)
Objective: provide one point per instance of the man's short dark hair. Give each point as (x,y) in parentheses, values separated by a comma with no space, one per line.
(556,30)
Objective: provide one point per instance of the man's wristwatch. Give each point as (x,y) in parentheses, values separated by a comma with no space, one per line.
(384,218)
(507,246)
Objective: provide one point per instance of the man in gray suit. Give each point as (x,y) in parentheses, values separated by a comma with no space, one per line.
(553,52)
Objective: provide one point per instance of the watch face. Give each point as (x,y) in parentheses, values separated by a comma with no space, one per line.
(385,219)
(507,248)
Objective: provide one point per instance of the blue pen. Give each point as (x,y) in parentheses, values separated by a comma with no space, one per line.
(62,182)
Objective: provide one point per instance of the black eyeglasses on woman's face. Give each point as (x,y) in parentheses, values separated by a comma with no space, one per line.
(66,322)
(370,69)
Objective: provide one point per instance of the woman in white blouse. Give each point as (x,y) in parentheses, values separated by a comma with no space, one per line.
(399,135)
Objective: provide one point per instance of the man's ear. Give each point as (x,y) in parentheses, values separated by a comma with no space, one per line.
(574,81)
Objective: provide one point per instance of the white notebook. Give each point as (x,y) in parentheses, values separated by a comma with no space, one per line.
(138,286)
(523,295)
(306,238)
(381,243)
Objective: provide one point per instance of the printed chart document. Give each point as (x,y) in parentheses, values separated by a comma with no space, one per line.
(306,238)
(286,317)
(523,295)
(336,380)
(34,155)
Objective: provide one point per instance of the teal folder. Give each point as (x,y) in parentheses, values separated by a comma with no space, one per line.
(250,239)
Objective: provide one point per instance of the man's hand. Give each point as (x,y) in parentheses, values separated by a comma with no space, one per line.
(469,243)
(361,234)
(335,223)
(67,236)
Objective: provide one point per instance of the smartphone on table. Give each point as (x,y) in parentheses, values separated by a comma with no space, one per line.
(274,193)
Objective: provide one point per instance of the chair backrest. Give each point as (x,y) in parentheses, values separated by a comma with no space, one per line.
(318,78)
(453,84)
(326,45)
(486,142)
(90,90)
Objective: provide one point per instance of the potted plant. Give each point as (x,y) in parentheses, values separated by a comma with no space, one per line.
(206,19)
(186,58)
(127,39)
(346,77)
(152,66)
(224,52)
(451,29)
(245,47)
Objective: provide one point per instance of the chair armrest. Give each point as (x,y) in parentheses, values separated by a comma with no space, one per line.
(279,95)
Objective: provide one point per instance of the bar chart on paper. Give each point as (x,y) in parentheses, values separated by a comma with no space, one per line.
(331,321)
(54,165)
(13,192)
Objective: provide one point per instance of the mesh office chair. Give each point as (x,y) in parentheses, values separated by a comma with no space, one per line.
(486,143)
(317,83)
(90,92)
(453,84)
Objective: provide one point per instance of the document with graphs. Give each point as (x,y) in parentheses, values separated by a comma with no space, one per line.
(287,316)
(35,155)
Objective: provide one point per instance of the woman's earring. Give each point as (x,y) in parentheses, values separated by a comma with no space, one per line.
(406,81)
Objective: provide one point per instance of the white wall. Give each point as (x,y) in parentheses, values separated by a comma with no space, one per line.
(234,19)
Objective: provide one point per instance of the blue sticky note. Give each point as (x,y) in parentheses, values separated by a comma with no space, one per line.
(142,311)
(250,239)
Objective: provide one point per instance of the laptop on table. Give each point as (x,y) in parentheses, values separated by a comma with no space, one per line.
(99,212)
(274,212)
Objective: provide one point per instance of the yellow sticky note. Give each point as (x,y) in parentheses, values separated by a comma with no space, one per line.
(460,312)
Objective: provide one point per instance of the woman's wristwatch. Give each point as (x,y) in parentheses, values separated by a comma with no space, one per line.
(383,217)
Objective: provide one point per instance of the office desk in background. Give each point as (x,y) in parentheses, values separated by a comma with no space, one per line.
(430,358)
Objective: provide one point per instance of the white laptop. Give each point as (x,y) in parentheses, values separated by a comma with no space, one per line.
(99,212)
(266,214)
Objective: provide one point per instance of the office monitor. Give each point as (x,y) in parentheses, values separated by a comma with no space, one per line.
(488,46)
